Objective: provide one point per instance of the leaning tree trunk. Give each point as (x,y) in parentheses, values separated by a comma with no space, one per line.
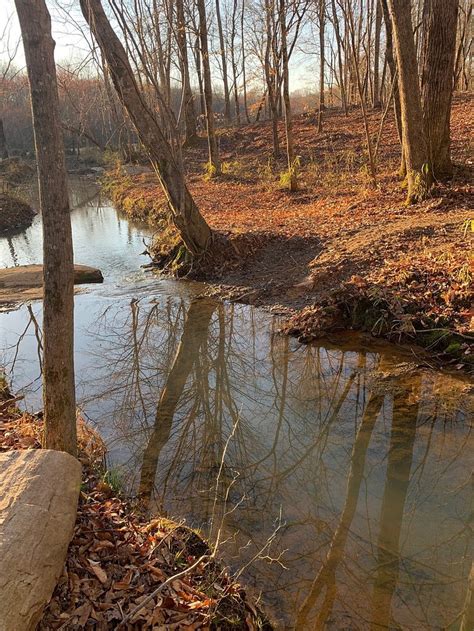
(189,222)
(58,267)
(3,143)
(414,145)
(438,54)
(214,161)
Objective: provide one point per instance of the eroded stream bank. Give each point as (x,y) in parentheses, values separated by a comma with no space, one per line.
(338,476)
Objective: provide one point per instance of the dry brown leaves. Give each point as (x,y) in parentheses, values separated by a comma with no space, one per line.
(117,558)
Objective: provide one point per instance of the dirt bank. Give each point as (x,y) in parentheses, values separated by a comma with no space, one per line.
(124,570)
(25,282)
(15,214)
(336,254)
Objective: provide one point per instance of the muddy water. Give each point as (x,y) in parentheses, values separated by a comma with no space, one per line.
(337,479)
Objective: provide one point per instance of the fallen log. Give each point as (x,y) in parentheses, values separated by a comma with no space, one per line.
(25,282)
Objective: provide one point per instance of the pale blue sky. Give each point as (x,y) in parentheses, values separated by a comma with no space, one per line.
(71,45)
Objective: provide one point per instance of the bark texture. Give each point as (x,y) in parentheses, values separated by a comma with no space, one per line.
(393,76)
(189,110)
(3,143)
(39,490)
(290,152)
(414,145)
(438,56)
(214,161)
(58,269)
(191,225)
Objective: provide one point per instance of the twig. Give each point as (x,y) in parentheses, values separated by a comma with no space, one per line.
(150,597)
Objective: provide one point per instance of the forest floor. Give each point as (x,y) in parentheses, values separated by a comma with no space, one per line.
(122,569)
(337,253)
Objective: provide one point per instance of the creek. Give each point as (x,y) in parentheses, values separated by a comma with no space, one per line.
(337,478)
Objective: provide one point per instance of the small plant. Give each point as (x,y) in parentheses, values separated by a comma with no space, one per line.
(288,178)
(467,226)
(113,478)
(210,171)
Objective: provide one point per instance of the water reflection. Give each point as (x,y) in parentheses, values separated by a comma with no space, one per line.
(102,237)
(339,483)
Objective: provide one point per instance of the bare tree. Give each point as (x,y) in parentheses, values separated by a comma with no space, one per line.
(189,110)
(223,55)
(378,30)
(58,267)
(322,61)
(415,149)
(438,55)
(191,225)
(293,180)
(3,142)
(214,161)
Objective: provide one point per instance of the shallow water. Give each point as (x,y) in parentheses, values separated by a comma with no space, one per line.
(338,481)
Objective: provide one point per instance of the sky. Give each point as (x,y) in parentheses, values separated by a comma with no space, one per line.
(71,44)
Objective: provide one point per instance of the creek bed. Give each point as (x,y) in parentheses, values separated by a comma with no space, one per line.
(337,477)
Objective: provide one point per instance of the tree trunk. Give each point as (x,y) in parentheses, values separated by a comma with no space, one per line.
(235,74)
(322,63)
(223,54)
(214,161)
(293,181)
(58,267)
(244,71)
(3,143)
(337,31)
(189,111)
(378,28)
(270,78)
(393,76)
(197,59)
(191,225)
(414,143)
(438,53)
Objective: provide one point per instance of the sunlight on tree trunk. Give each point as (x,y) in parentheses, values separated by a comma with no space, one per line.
(292,166)
(214,161)
(191,225)
(58,267)
(419,176)
(438,53)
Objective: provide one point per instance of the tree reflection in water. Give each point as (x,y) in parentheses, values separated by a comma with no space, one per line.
(216,417)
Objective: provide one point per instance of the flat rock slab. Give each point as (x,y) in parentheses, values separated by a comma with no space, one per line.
(39,490)
(18,284)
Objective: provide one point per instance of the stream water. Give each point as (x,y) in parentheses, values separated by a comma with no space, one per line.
(338,480)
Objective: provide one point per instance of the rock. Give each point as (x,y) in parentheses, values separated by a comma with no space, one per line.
(25,282)
(39,489)
(32,276)
(84,274)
